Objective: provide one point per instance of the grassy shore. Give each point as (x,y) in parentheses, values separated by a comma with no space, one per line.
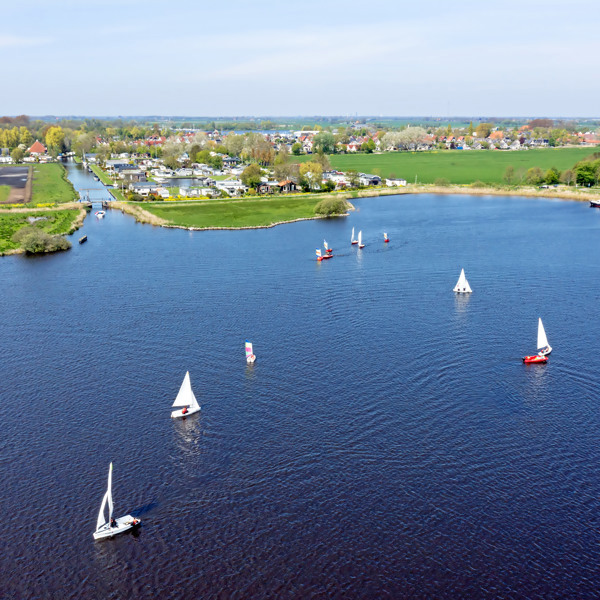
(54,222)
(457,166)
(51,186)
(104,178)
(257,212)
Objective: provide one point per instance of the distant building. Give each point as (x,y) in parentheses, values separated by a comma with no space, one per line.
(37,149)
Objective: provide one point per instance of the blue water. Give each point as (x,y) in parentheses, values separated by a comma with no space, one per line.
(387,443)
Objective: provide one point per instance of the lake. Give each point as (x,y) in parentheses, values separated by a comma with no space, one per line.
(387,443)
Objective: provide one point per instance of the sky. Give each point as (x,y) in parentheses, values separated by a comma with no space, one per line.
(315,57)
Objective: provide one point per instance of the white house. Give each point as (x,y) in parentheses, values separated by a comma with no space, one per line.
(395,182)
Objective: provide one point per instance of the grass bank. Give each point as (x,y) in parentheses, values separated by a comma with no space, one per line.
(457,166)
(104,178)
(53,222)
(51,186)
(232,213)
(4,192)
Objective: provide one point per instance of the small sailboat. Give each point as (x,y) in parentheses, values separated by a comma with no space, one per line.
(542,342)
(185,401)
(321,256)
(318,253)
(111,527)
(250,358)
(462,285)
(327,248)
(360,244)
(386,239)
(352,240)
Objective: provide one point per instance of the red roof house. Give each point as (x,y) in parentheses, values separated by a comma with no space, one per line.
(37,148)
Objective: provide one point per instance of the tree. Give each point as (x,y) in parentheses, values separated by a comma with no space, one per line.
(297,149)
(483,130)
(568,176)
(17,154)
(509,174)
(534,176)
(353,177)
(171,162)
(25,137)
(234,144)
(585,174)
(552,176)
(251,175)
(55,137)
(470,131)
(312,173)
(324,142)
(331,207)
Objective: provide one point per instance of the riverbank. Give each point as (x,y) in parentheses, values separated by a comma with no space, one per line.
(259,212)
(54,221)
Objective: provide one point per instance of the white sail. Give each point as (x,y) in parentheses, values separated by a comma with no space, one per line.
(325,245)
(186,395)
(542,341)
(462,284)
(107,498)
(352,237)
(360,238)
(385,236)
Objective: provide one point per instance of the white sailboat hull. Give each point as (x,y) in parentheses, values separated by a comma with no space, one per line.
(123,524)
(176,414)
(250,359)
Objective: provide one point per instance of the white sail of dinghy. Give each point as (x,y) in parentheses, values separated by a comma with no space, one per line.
(111,527)
(360,244)
(250,358)
(352,240)
(462,286)
(542,340)
(185,401)
(325,245)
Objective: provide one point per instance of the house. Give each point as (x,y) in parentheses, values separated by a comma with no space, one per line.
(390,182)
(133,175)
(287,186)
(366,179)
(37,149)
(353,147)
(234,187)
(145,188)
(267,187)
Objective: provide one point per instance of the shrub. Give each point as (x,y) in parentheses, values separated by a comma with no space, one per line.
(330,207)
(441,181)
(37,241)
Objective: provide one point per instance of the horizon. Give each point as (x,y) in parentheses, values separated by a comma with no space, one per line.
(524,57)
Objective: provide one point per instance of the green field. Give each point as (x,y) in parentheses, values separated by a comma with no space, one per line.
(50,185)
(457,166)
(235,213)
(55,222)
(4,192)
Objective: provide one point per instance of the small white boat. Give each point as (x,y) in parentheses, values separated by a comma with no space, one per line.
(100,214)
(352,240)
(250,358)
(360,244)
(542,341)
(185,401)
(112,527)
(462,285)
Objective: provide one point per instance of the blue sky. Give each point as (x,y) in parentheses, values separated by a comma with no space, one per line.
(423,57)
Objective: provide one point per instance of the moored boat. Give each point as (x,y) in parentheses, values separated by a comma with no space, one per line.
(100,214)
(83,239)
(595,203)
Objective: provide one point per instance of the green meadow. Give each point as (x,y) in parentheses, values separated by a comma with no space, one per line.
(457,166)
(235,213)
(51,186)
(53,222)
(4,192)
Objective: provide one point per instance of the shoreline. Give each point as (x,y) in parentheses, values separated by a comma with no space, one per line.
(141,215)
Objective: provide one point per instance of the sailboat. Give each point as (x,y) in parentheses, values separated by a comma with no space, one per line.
(250,358)
(542,342)
(327,248)
(360,244)
(352,240)
(106,529)
(185,400)
(386,239)
(462,285)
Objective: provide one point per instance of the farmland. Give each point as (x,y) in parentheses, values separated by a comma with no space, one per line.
(456,166)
